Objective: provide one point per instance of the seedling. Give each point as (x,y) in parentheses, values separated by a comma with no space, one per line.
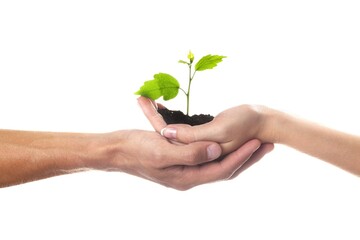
(166,86)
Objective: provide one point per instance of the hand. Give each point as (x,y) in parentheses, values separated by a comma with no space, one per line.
(235,126)
(220,130)
(151,156)
(231,128)
(28,156)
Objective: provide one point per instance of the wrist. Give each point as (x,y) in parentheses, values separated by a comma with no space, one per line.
(106,151)
(271,123)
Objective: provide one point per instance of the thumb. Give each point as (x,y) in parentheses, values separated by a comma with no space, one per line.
(187,134)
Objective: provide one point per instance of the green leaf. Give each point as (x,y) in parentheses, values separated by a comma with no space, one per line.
(182,61)
(169,86)
(208,62)
(163,85)
(150,89)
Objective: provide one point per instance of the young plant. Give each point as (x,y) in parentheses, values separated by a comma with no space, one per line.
(166,86)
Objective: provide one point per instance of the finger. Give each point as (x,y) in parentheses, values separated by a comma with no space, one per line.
(149,108)
(187,134)
(258,155)
(191,154)
(184,133)
(219,170)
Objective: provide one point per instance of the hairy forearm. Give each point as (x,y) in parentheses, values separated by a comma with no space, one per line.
(26,156)
(335,147)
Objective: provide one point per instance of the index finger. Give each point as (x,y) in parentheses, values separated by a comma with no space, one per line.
(151,113)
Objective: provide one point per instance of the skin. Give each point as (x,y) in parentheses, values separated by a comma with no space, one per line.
(233,127)
(27,156)
(150,107)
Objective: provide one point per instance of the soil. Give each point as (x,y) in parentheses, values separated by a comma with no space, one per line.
(174,117)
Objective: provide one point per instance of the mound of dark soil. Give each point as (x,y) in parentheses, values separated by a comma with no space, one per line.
(174,117)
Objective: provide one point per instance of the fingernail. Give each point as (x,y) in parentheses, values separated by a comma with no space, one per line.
(168,132)
(213,151)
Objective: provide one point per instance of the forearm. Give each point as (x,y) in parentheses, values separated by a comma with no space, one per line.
(335,147)
(27,156)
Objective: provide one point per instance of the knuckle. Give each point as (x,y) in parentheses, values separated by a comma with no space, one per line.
(158,158)
(182,186)
(181,183)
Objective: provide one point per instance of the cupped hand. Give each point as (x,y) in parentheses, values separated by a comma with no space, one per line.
(149,155)
(231,128)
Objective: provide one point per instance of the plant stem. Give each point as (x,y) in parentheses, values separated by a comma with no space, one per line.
(183,91)
(188,92)
(191,77)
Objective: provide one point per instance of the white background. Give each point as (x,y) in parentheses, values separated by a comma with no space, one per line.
(73,66)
